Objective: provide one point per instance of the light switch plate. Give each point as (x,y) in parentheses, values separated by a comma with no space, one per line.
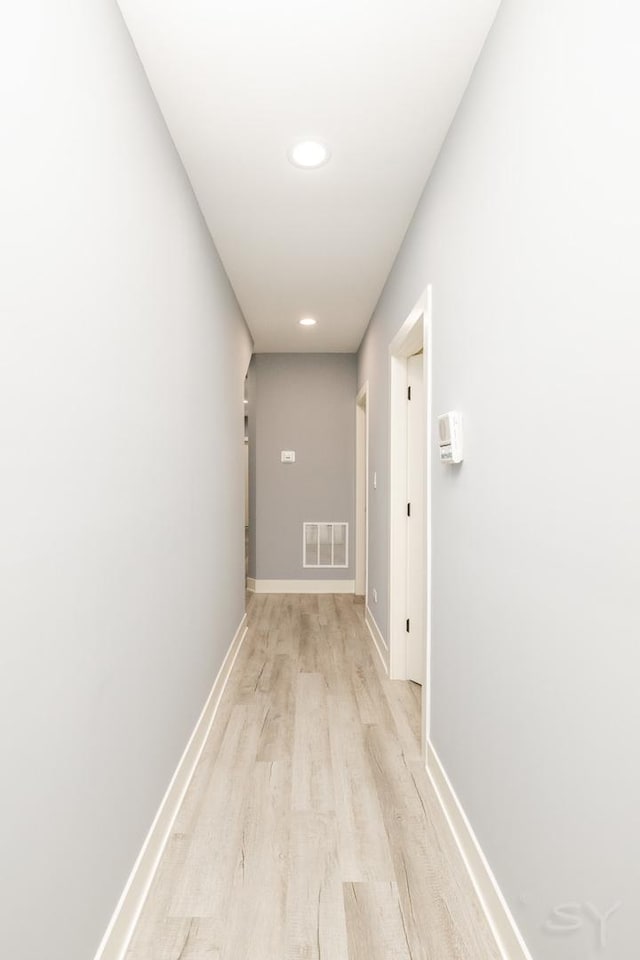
(287,456)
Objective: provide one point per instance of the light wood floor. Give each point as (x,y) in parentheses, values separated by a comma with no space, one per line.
(310,830)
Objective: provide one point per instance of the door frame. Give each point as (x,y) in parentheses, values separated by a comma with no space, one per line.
(415,522)
(413,335)
(362,492)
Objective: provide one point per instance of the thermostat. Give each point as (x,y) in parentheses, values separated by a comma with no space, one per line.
(450,437)
(287,456)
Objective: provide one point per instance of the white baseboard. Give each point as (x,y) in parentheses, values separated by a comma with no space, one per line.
(378,640)
(251,584)
(304,586)
(120,930)
(499,917)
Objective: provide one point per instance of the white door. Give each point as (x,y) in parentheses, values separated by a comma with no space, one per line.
(361,492)
(416,580)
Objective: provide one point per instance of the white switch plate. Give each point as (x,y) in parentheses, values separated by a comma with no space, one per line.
(375,480)
(375,595)
(287,456)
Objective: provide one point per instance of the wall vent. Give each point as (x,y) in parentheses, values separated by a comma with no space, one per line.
(325,544)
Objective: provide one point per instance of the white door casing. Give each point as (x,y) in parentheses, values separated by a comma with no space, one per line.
(416,648)
(362,491)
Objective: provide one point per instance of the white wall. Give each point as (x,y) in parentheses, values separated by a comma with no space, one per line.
(122,357)
(529,232)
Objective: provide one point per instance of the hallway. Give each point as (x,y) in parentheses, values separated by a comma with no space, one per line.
(310,830)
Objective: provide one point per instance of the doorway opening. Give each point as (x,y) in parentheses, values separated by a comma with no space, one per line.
(410,502)
(362,491)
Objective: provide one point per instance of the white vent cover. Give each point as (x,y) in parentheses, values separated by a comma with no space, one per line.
(325,544)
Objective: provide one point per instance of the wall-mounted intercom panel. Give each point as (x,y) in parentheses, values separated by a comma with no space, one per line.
(450,437)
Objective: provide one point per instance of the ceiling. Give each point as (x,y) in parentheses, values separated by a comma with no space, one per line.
(239,81)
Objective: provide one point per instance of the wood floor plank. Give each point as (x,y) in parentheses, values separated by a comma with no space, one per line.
(309,629)
(370,707)
(276,736)
(403,698)
(363,843)
(255,928)
(312,772)
(315,925)
(375,926)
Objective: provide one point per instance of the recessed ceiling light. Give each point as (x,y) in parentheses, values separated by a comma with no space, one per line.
(309,154)
(307,322)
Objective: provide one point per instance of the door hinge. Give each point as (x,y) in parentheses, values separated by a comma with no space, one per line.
(409,393)
(408,509)
(408,625)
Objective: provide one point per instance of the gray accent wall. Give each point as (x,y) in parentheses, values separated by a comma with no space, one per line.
(307,403)
(529,233)
(122,359)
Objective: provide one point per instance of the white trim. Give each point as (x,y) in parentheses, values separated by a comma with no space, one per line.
(118,935)
(304,586)
(428,479)
(397,517)
(378,640)
(251,584)
(415,525)
(499,917)
(362,491)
